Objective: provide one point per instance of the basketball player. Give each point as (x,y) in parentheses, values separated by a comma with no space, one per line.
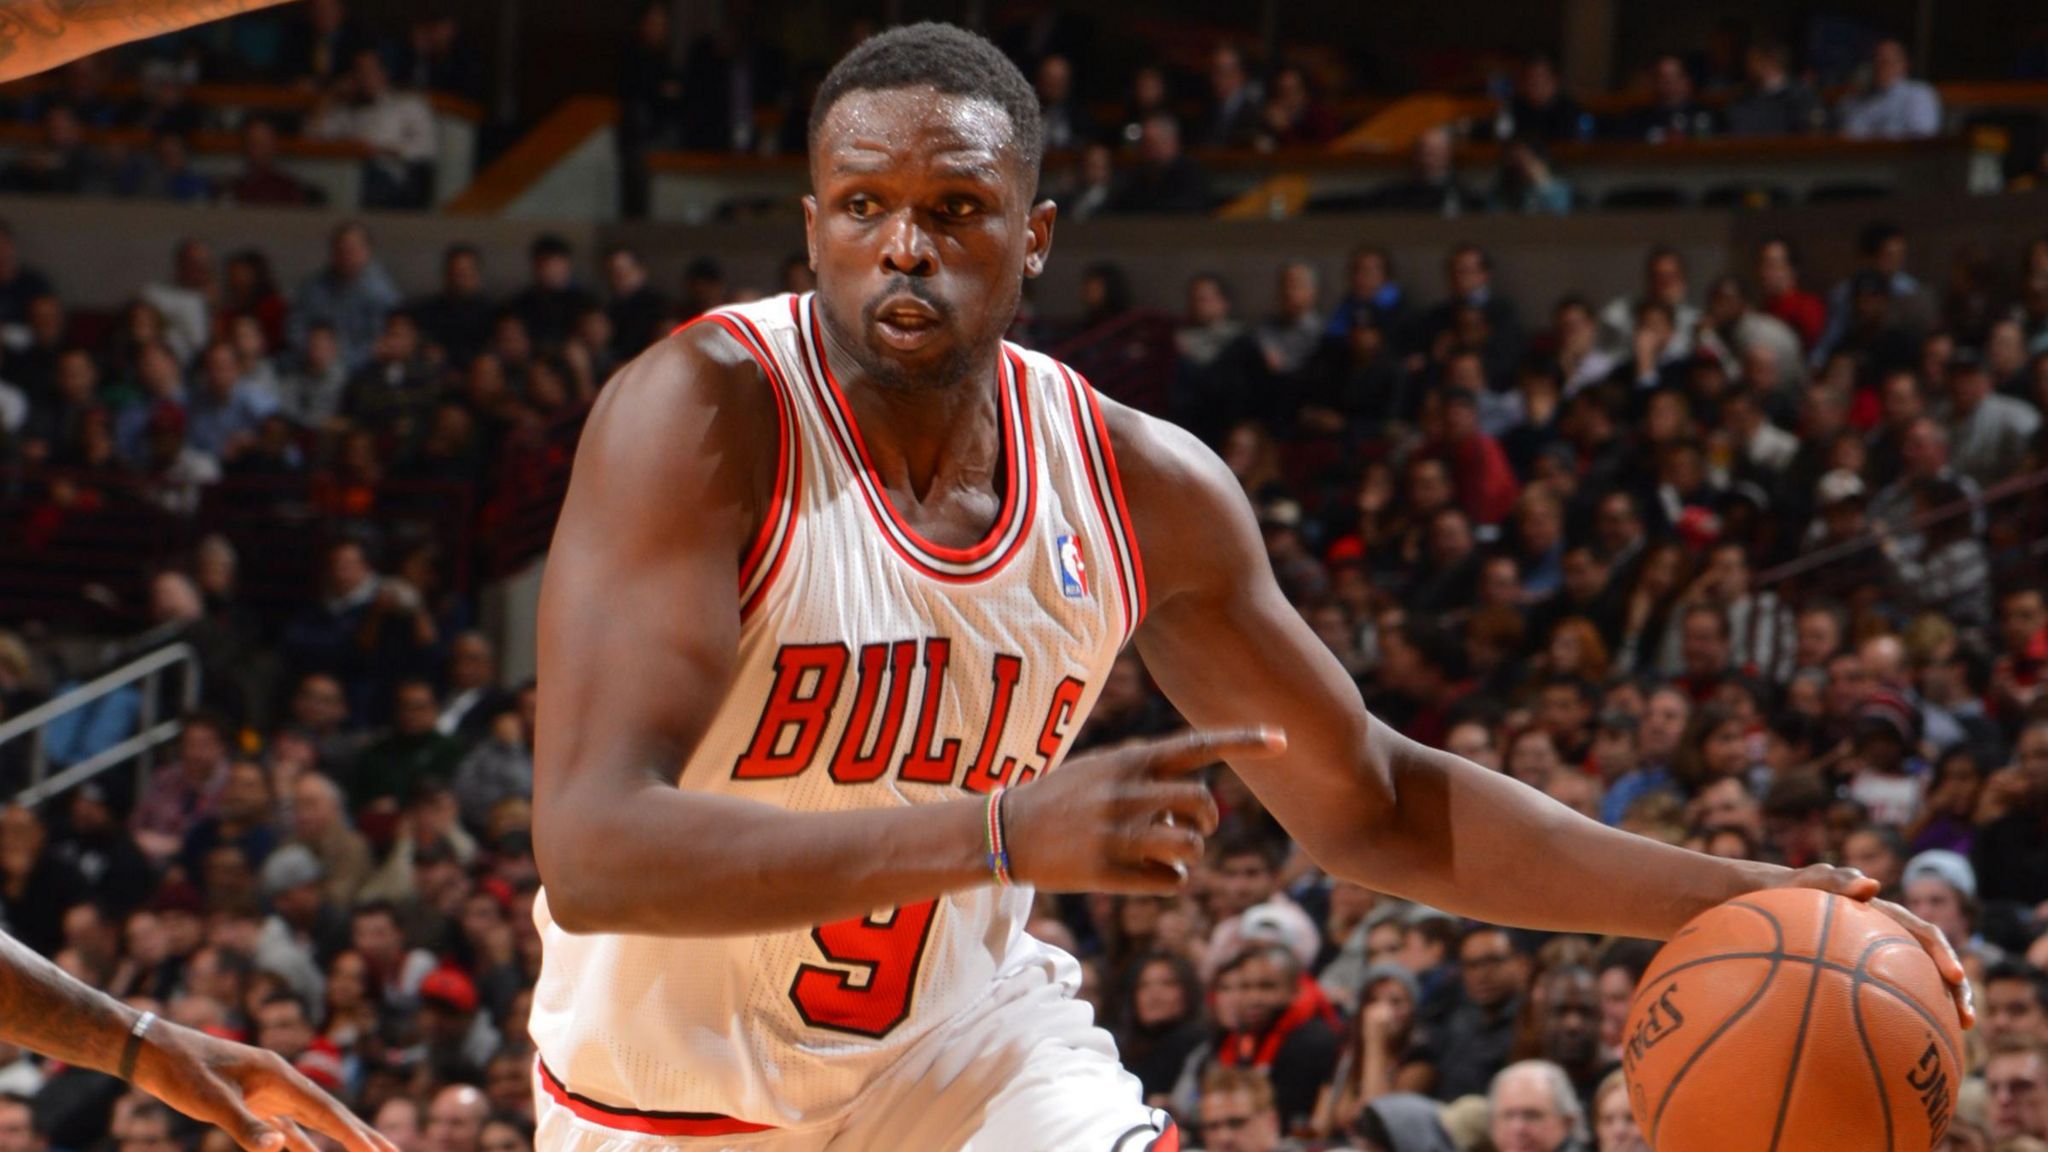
(252,1095)
(844,566)
(39,34)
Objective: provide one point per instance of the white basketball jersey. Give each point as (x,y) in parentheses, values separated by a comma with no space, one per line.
(876,669)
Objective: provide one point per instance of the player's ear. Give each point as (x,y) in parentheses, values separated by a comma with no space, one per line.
(1038,236)
(811,231)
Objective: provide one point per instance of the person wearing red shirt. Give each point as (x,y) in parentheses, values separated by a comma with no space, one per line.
(1484,478)
(1777,280)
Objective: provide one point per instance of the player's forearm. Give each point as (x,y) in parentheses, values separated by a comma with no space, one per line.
(46,1011)
(663,862)
(1479,844)
(36,35)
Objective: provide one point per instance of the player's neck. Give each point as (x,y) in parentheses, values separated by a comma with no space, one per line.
(929,440)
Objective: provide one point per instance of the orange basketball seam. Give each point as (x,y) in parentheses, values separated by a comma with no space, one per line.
(1856,982)
(1820,948)
(1777,960)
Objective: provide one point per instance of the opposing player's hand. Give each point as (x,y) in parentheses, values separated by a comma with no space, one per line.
(1856,886)
(253,1095)
(1127,819)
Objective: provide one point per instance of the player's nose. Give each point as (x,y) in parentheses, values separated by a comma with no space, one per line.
(907,249)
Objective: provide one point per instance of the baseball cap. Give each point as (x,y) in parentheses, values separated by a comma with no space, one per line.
(1951,868)
(1889,714)
(1837,486)
(449,989)
(292,866)
(1374,973)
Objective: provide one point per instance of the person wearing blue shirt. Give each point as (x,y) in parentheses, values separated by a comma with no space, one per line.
(1895,106)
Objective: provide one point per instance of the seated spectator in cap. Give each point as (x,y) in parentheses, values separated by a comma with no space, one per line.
(1988,432)
(1534,1109)
(294,884)
(459,1038)
(1893,106)
(1478,1035)
(1165,179)
(1432,183)
(1382,1055)
(1941,888)
(1888,776)
(549,304)
(1247,876)
(398,128)
(1775,102)
(1239,1112)
(263,181)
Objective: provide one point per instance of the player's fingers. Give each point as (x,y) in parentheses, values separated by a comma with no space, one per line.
(295,1138)
(251,1133)
(1170,844)
(305,1103)
(1149,879)
(1944,955)
(1187,803)
(1189,751)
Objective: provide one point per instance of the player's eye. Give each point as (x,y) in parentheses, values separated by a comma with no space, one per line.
(959,207)
(861,206)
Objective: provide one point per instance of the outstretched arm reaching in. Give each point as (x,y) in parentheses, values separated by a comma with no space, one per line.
(37,35)
(253,1095)
(1369,804)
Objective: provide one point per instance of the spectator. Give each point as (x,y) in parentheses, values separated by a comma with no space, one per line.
(394,392)
(1216,361)
(458,318)
(1247,877)
(1370,284)
(1675,113)
(37,887)
(650,102)
(352,295)
(433,58)
(167,173)
(1285,1027)
(1881,248)
(263,182)
(1292,117)
(1777,277)
(1093,189)
(1065,122)
(1775,103)
(548,306)
(1468,275)
(1988,433)
(1893,105)
(185,792)
(2017,1083)
(1294,332)
(729,75)
(413,751)
(320,825)
(1534,1109)
(1527,184)
(1234,98)
(1540,110)
(311,391)
(1664,283)
(456,1118)
(1479,1033)
(1239,1112)
(1403,1123)
(397,127)
(637,310)
(224,412)
(1165,179)
(244,816)
(20,284)
(1432,183)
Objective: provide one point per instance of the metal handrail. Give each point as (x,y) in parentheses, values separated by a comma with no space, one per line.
(146,670)
(2026,483)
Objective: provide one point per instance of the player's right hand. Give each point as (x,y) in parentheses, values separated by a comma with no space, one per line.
(1130,819)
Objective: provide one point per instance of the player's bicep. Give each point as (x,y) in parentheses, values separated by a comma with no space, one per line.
(639,613)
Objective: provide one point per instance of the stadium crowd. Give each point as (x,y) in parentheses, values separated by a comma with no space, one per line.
(1738,560)
(1742,562)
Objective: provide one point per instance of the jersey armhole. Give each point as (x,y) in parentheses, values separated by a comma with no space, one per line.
(770,546)
(1093,436)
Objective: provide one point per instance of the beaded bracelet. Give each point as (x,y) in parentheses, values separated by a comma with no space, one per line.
(998,851)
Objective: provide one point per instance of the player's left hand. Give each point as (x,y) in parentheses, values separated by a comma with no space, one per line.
(1856,886)
(254,1095)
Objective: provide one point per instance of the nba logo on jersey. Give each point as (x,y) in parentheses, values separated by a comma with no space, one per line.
(1073,569)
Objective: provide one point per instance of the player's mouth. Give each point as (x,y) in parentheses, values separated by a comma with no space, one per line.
(906,324)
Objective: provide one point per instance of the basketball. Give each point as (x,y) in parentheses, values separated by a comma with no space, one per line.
(1793,1021)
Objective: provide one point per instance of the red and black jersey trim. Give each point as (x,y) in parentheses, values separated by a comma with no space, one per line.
(1012,527)
(1107,485)
(635,1120)
(770,546)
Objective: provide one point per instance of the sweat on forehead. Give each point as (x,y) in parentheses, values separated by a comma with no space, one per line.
(871,128)
(951,63)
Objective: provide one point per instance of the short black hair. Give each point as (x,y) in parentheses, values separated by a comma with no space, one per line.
(2014,971)
(951,60)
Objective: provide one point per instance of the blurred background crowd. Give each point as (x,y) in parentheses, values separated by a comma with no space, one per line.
(1745,559)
